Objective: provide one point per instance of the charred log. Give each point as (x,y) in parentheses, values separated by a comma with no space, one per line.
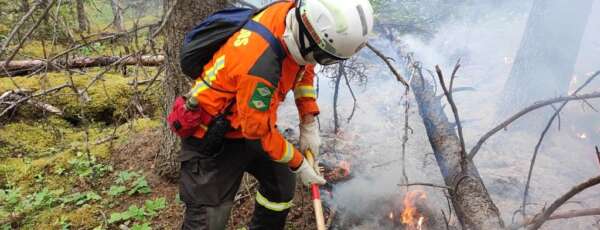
(474,206)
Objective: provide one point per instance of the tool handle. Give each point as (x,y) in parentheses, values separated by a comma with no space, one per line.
(316,193)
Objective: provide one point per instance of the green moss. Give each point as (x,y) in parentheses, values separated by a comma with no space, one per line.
(12,170)
(108,100)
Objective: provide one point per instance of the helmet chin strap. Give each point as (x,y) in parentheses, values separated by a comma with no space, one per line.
(294,40)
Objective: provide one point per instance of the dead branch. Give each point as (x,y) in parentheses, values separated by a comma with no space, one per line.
(427,185)
(598,154)
(17,27)
(405,135)
(539,143)
(30,31)
(336,96)
(562,215)
(450,98)
(26,98)
(24,67)
(165,19)
(527,110)
(389,64)
(545,214)
(472,203)
(355,102)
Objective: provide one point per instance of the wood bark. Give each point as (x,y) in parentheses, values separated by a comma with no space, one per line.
(184,16)
(474,206)
(82,19)
(25,67)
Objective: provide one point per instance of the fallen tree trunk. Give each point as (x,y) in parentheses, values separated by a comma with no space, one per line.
(25,67)
(474,207)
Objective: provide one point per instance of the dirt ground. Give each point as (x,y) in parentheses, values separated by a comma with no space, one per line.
(139,153)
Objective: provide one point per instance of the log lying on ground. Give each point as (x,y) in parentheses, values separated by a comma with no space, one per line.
(474,207)
(25,67)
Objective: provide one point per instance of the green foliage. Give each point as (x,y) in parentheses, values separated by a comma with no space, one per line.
(144,226)
(81,198)
(116,190)
(86,166)
(139,214)
(140,185)
(137,183)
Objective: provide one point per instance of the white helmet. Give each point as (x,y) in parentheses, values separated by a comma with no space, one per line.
(329,31)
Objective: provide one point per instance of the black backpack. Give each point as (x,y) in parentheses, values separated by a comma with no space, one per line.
(204,40)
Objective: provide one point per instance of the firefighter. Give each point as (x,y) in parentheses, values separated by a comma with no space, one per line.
(246,81)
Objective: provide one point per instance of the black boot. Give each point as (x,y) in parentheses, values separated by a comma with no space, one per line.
(265,219)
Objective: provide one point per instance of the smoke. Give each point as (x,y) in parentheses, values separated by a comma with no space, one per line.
(486,35)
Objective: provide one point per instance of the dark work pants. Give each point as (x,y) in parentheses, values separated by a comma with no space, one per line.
(208,185)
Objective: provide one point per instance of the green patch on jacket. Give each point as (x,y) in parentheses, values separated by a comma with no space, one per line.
(261,98)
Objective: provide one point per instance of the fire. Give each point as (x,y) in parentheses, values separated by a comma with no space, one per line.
(345,167)
(411,217)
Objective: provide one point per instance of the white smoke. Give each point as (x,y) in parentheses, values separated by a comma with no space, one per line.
(487,43)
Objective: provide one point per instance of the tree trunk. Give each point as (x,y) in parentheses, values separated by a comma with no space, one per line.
(117,14)
(545,63)
(82,17)
(185,15)
(474,206)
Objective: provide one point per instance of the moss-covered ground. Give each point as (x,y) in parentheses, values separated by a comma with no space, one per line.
(67,172)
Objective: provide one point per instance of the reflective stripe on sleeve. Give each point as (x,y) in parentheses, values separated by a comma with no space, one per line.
(273,206)
(305,91)
(209,76)
(288,153)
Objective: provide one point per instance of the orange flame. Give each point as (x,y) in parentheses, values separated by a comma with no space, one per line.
(411,216)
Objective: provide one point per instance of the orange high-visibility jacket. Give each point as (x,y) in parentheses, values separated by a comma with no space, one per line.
(247,66)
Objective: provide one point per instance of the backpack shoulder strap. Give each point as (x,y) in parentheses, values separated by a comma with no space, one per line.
(268,36)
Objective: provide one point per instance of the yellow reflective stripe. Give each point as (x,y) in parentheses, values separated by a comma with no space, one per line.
(274,206)
(288,154)
(209,76)
(305,91)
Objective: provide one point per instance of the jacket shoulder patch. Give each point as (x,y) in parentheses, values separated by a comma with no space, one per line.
(261,97)
(268,67)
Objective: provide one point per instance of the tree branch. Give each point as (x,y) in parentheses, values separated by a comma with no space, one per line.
(389,64)
(539,143)
(545,215)
(518,115)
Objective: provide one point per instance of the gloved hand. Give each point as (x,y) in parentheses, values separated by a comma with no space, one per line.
(308,175)
(309,137)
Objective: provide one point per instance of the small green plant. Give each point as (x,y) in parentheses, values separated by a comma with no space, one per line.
(125,176)
(85,165)
(144,226)
(139,214)
(153,206)
(140,185)
(81,198)
(116,190)
(137,183)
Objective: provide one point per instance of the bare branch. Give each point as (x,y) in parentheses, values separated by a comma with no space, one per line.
(539,143)
(562,215)
(448,93)
(521,113)
(545,215)
(389,64)
(427,185)
(30,31)
(18,26)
